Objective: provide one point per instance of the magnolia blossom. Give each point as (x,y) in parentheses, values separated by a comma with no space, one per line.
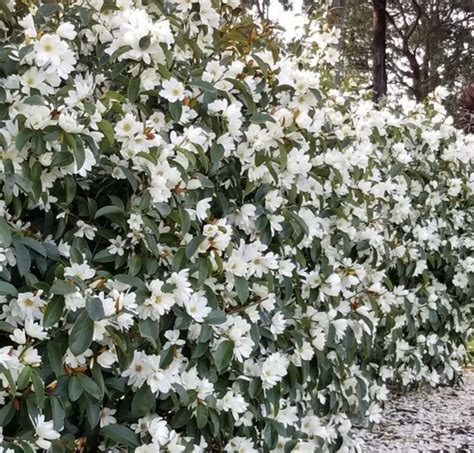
(44,432)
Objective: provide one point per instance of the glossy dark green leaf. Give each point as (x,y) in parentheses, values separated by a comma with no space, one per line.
(133,89)
(242,288)
(143,401)
(223,355)
(95,308)
(81,334)
(5,234)
(121,435)
(193,245)
(75,388)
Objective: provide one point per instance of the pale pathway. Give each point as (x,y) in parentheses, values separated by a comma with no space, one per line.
(441,421)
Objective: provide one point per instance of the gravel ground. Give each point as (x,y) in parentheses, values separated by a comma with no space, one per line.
(441,421)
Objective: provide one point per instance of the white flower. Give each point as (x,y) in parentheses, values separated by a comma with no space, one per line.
(28,24)
(74,301)
(202,207)
(128,126)
(83,271)
(159,431)
(135,222)
(139,370)
(38,117)
(18,336)
(117,246)
(85,230)
(35,330)
(311,426)
(31,357)
(74,361)
(68,123)
(240,445)
(66,31)
(30,305)
(278,324)
(158,304)
(173,90)
(48,50)
(197,307)
(44,432)
(374,413)
(232,402)
(106,417)
(274,368)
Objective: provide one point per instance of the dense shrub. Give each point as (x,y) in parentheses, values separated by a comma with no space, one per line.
(209,246)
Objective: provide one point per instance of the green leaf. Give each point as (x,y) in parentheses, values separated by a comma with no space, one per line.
(24,378)
(149,329)
(6,413)
(95,308)
(22,138)
(144,42)
(23,259)
(55,357)
(5,234)
(130,280)
(48,9)
(62,288)
(92,412)
(205,86)
(185,220)
(216,317)
(62,159)
(223,355)
(89,386)
(74,388)
(35,245)
(71,187)
(81,335)
(39,388)
(107,210)
(78,151)
(242,288)
(11,381)
(202,415)
(193,245)
(35,99)
(133,89)
(143,401)
(54,311)
(244,90)
(261,118)
(108,131)
(176,109)
(8,289)
(135,264)
(121,435)
(6,327)
(58,413)
(6,13)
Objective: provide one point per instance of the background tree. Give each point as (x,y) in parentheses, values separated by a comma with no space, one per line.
(379,67)
(428,42)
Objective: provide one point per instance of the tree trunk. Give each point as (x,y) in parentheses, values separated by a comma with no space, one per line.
(338,19)
(379,70)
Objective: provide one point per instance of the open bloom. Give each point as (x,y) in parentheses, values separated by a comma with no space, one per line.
(45,432)
(173,90)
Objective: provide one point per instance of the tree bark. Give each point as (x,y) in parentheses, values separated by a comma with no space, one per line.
(338,18)
(379,69)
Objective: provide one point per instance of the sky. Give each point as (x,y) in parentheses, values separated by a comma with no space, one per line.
(288,19)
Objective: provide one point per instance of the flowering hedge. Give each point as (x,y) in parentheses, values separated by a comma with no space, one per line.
(206,245)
